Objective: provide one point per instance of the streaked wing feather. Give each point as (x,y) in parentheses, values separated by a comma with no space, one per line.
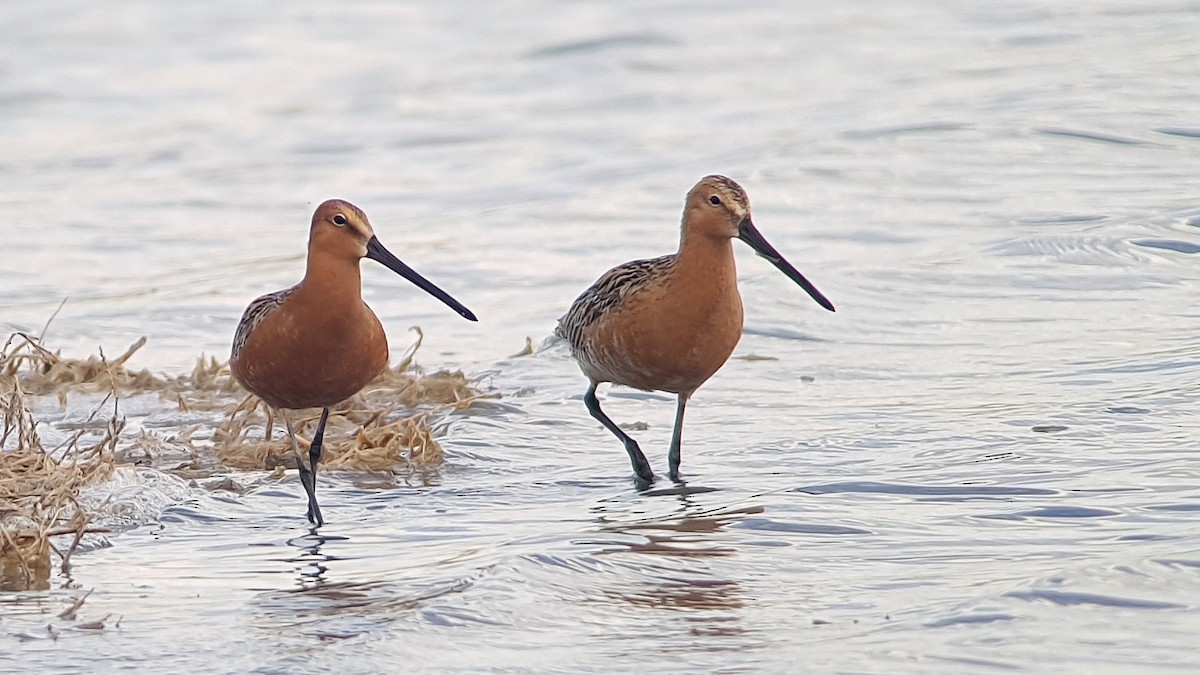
(608,293)
(258,310)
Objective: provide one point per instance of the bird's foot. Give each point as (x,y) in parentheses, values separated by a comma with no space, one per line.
(641,466)
(309,483)
(314,513)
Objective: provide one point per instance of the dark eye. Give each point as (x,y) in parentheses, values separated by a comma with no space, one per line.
(714,200)
(339,220)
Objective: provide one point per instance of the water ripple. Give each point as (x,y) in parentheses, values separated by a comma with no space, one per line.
(1074,598)
(925,490)
(1185,247)
(1091,136)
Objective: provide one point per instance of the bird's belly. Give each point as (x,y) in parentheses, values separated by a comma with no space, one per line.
(659,354)
(303,371)
(310,385)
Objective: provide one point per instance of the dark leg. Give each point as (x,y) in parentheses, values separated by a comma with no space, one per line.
(314,457)
(307,480)
(673,457)
(640,466)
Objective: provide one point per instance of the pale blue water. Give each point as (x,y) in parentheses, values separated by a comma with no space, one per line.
(985,460)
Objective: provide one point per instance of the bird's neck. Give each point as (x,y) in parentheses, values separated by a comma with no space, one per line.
(335,280)
(706,257)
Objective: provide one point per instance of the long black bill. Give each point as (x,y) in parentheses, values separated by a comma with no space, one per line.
(750,234)
(377,252)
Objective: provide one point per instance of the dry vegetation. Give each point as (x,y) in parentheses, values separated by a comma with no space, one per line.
(385,428)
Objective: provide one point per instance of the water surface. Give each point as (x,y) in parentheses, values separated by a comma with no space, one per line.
(983,461)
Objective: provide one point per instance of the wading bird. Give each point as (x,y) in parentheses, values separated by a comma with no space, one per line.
(317,343)
(669,323)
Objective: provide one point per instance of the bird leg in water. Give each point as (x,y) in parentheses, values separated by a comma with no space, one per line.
(640,466)
(307,479)
(674,457)
(314,457)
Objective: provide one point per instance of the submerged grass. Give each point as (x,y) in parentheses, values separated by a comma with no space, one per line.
(388,427)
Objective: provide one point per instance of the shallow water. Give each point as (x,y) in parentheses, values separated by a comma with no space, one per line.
(983,461)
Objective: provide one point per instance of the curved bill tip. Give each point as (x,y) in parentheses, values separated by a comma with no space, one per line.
(377,252)
(748,233)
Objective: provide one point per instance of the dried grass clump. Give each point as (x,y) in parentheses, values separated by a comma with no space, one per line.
(41,372)
(39,486)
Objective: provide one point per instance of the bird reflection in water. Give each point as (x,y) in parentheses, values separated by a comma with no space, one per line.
(312,562)
(709,605)
(688,534)
(330,609)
